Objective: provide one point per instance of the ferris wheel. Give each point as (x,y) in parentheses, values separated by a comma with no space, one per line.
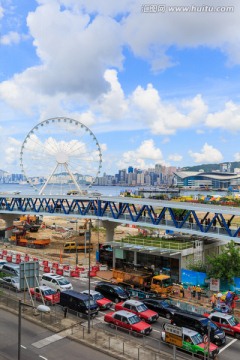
(59,156)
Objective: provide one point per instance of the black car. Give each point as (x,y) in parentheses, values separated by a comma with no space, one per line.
(78,302)
(112,291)
(162,307)
(200,324)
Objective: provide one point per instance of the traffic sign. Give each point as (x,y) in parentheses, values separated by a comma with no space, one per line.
(173,339)
(172,329)
(173,334)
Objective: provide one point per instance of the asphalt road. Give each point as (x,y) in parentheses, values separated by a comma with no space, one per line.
(33,349)
(229,351)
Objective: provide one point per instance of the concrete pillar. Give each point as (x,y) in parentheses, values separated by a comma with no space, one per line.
(114,259)
(8,218)
(135,258)
(180,267)
(110,227)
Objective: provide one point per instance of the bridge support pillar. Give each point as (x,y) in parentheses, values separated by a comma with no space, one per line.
(8,218)
(110,227)
(135,258)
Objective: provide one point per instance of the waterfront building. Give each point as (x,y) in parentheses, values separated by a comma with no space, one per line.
(209,180)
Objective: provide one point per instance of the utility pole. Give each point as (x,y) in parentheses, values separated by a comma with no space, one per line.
(77,243)
(209,333)
(88,238)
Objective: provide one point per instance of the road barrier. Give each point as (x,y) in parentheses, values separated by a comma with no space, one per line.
(53,267)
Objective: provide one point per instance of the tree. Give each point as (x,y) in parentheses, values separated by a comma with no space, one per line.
(225,265)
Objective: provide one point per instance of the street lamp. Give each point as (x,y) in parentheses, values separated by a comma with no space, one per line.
(76,243)
(88,238)
(40,308)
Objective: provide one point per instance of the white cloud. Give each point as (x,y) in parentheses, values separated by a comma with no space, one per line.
(1,12)
(84,48)
(237,156)
(165,118)
(11,38)
(208,154)
(175,157)
(113,103)
(11,151)
(182,29)
(146,155)
(228,118)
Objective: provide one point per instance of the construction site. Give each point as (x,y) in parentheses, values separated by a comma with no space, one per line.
(58,238)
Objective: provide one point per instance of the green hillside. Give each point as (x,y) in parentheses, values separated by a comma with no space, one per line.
(211,167)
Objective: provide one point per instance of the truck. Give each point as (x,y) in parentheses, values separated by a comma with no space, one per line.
(159,284)
(72,246)
(24,240)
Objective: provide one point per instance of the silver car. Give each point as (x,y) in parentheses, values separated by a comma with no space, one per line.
(10,282)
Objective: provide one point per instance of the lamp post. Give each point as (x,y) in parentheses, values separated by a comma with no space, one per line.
(41,308)
(88,238)
(208,344)
(76,243)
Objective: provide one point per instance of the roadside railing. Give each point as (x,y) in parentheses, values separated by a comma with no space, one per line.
(160,244)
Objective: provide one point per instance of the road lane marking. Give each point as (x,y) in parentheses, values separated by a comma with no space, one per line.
(43,357)
(225,347)
(48,340)
(24,347)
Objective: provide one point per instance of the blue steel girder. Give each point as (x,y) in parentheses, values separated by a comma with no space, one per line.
(195,218)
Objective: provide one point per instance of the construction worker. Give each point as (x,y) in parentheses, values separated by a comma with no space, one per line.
(193,291)
(213,301)
(199,292)
(181,290)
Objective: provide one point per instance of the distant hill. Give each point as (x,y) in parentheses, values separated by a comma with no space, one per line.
(211,167)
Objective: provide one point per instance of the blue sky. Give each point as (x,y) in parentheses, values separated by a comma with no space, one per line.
(157,87)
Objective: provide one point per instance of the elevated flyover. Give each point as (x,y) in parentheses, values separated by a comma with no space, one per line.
(212,221)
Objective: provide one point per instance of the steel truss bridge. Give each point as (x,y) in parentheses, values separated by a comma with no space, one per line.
(210,221)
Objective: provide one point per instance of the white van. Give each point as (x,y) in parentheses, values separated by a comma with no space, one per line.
(56,282)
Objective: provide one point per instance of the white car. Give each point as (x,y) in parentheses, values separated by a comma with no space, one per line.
(56,282)
(10,282)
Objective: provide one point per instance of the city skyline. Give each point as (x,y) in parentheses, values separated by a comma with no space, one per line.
(155,85)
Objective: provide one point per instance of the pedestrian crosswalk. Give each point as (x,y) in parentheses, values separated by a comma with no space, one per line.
(51,339)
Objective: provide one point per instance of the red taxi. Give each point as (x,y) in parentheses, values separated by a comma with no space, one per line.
(226,322)
(49,295)
(138,308)
(102,302)
(128,321)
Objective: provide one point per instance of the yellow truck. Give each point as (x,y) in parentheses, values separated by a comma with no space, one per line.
(160,284)
(72,246)
(135,278)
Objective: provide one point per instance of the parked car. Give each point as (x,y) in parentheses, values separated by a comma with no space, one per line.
(78,302)
(11,269)
(162,307)
(56,282)
(193,342)
(49,295)
(10,282)
(102,302)
(128,321)
(2,262)
(199,323)
(226,322)
(112,292)
(138,308)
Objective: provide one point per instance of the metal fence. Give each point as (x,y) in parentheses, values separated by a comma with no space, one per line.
(99,335)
